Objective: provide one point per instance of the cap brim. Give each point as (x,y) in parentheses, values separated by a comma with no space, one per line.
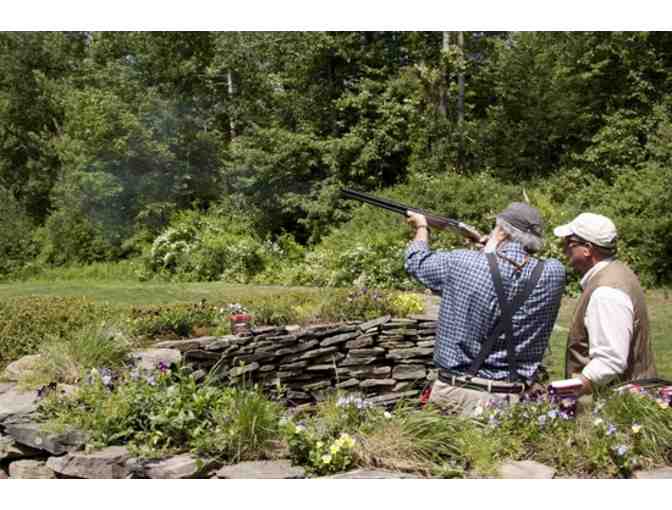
(563,231)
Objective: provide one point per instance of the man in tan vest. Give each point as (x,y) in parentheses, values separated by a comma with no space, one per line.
(609,335)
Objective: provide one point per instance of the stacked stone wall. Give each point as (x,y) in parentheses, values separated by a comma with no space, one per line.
(384,359)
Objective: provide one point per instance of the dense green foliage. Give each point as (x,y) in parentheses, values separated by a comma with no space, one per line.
(220,155)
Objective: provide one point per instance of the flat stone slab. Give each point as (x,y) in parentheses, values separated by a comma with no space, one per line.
(33,435)
(15,402)
(149,359)
(10,449)
(6,386)
(106,463)
(15,370)
(30,469)
(525,469)
(261,469)
(368,474)
(178,467)
(664,472)
(186,345)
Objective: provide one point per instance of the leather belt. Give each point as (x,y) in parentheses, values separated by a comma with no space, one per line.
(477,383)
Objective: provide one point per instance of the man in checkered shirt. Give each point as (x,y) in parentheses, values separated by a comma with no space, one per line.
(470,309)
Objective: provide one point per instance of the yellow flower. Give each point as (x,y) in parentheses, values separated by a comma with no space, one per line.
(636,427)
(326,459)
(346,440)
(319,444)
(334,449)
(597,422)
(662,404)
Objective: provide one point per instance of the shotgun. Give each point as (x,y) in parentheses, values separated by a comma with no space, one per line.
(439,222)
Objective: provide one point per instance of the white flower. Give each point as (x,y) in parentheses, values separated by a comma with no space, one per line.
(597,422)
(326,459)
(478,411)
(387,415)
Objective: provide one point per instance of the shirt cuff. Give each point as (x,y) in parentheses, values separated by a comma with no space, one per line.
(598,373)
(414,246)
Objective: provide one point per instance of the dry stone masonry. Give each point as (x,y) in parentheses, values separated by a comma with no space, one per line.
(384,359)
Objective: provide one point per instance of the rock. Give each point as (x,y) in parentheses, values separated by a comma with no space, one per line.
(374,323)
(401,354)
(292,328)
(33,435)
(357,360)
(318,352)
(149,359)
(350,383)
(297,395)
(360,342)
(662,472)
(391,398)
(245,369)
(190,344)
(201,355)
(320,385)
(261,330)
(368,474)
(426,343)
(107,463)
(403,372)
(10,449)
(525,469)
(371,371)
(403,386)
(264,469)
(282,339)
(258,356)
(6,386)
(371,383)
(3,474)
(30,469)
(222,343)
(180,466)
(292,366)
(321,368)
(303,346)
(16,402)
(338,339)
(21,367)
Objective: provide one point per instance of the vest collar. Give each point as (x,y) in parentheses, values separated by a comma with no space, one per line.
(594,270)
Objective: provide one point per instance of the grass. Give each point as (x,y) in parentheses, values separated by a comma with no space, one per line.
(124,293)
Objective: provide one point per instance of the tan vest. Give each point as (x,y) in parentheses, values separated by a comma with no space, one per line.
(641,363)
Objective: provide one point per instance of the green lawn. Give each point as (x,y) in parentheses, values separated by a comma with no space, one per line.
(135,293)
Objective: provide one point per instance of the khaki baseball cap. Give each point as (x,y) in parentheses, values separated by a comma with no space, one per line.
(594,228)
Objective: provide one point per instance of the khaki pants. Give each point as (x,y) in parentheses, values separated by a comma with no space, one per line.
(464,401)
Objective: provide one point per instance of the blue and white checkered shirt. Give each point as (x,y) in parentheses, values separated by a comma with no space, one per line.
(469,308)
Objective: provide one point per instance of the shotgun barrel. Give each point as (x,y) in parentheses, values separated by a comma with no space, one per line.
(436,221)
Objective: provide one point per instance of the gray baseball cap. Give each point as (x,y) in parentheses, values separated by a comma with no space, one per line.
(524,217)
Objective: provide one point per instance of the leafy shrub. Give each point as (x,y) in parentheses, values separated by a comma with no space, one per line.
(164,411)
(203,247)
(26,323)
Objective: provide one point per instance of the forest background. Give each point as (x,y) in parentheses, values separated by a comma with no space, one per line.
(203,156)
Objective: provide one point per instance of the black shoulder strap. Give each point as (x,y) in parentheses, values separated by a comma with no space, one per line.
(505,321)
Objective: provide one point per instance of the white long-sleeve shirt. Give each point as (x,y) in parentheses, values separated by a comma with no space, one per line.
(610,322)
